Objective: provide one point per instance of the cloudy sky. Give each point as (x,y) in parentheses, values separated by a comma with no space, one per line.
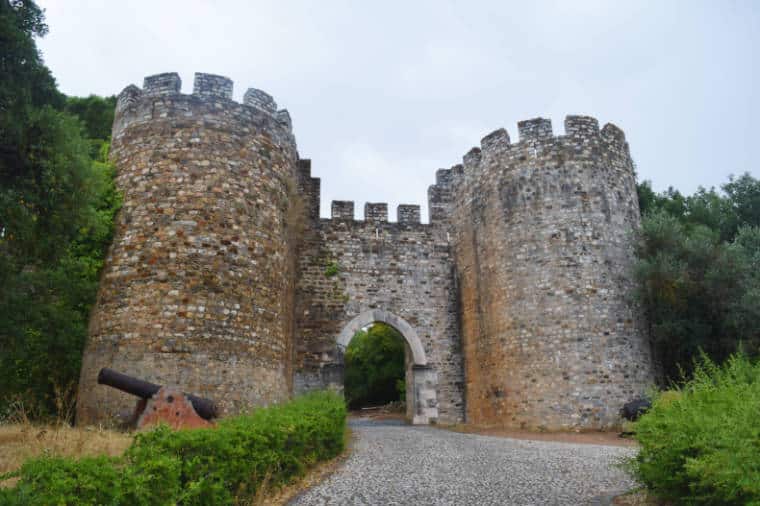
(383,93)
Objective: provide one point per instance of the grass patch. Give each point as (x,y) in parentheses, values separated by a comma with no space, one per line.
(20,442)
(233,463)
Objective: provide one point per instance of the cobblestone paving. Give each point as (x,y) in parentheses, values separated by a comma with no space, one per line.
(396,464)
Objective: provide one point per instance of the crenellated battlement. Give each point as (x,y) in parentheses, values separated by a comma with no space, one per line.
(535,130)
(408,213)
(161,96)
(342,209)
(211,85)
(168,83)
(536,138)
(260,99)
(581,126)
(374,212)
(498,139)
(582,140)
(579,130)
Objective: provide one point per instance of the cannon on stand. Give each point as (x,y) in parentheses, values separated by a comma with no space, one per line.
(161,404)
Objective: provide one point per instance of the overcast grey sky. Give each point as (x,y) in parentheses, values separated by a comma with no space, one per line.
(384,93)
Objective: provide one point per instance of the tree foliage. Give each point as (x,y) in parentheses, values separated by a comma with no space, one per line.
(697,268)
(57,203)
(374,362)
(96,113)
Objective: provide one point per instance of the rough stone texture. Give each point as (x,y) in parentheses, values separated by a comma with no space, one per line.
(209,85)
(541,233)
(222,278)
(395,464)
(376,212)
(197,289)
(342,209)
(408,213)
(162,84)
(260,99)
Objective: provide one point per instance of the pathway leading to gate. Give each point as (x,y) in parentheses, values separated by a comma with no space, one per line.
(397,464)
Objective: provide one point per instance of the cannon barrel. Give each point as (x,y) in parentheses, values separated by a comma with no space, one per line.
(205,408)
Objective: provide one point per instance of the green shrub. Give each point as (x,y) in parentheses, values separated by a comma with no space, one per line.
(97,480)
(700,444)
(223,465)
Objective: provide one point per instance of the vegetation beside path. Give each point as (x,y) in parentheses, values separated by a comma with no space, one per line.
(229,464)
(700,442)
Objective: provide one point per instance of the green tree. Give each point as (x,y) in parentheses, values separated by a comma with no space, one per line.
(743,194)
(25,83)
(95,112)
(697,271)
(57,203)
(374,366)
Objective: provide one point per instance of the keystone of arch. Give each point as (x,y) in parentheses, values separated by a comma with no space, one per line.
(379,315)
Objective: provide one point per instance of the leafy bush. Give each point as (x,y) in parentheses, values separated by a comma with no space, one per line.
(700,443)
(223,465)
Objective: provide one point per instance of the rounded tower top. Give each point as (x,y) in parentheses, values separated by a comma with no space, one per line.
(161,96)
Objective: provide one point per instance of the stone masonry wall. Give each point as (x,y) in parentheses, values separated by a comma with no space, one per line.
(399,268)
(542,239)
(197,289)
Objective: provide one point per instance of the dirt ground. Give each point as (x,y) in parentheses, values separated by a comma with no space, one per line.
(609,438)
(591,437)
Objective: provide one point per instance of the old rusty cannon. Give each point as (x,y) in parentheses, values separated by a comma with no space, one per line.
(161,404)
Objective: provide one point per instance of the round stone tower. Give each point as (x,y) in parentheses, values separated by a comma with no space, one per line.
(197,289)
(542,235)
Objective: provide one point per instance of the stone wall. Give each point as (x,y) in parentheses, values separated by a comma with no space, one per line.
(541,231)
(197,289)
(349,267)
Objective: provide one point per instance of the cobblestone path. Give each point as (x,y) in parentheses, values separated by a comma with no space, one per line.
(396,464)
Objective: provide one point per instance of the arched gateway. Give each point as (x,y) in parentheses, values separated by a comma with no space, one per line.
(421,379)
(353,273)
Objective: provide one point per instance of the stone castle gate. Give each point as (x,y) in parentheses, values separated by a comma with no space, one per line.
(222,277)
(356,272)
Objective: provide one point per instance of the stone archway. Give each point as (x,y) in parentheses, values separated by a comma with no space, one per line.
(421,391)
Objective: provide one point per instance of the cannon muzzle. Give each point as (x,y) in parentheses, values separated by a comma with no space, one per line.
(205,408)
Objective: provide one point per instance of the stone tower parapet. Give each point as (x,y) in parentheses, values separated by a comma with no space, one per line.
(197,289)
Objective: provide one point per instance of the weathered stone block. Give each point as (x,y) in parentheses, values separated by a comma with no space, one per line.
(376,212)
